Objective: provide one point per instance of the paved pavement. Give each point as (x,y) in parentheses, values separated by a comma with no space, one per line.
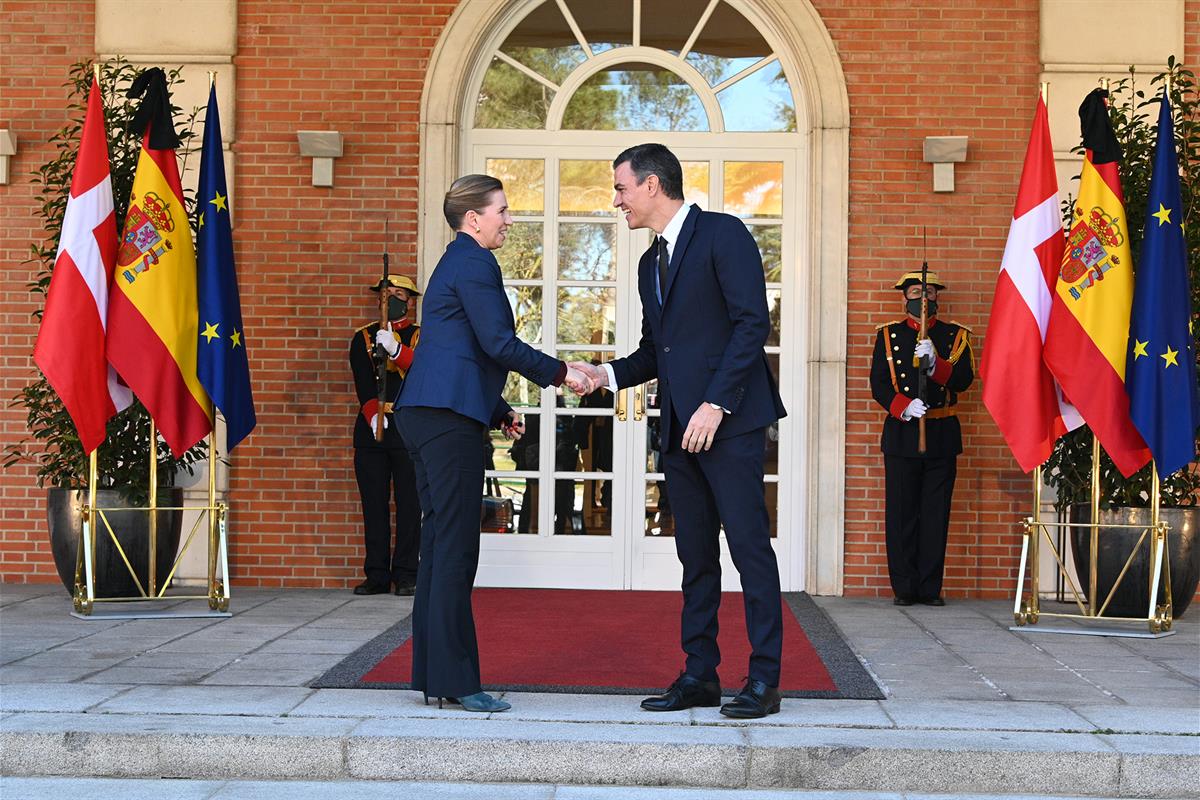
(220,707)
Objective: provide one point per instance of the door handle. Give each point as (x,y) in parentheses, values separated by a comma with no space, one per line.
(622,410)
(639,402)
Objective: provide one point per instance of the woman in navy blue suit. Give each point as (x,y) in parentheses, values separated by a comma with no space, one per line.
(451,396)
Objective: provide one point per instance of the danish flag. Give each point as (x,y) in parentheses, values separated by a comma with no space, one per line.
(70,343)
(1018,389)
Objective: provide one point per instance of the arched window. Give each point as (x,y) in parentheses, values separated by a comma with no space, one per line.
(668,65)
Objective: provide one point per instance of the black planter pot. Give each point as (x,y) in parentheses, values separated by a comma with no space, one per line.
(1115,544)
(64,509)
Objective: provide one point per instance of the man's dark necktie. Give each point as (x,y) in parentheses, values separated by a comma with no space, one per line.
(664,263)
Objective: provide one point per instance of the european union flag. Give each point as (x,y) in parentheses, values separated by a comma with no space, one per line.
(1160,368)
(221,354)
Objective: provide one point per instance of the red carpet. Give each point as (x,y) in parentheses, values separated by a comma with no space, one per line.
(574,640)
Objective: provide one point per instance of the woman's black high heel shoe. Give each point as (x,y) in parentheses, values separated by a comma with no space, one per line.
(452,700)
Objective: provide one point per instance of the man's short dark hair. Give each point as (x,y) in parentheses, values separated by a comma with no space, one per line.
(654,159)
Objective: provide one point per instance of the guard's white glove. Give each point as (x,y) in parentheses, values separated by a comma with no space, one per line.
(387,340)
(924,351)
(915,409)
(375,420)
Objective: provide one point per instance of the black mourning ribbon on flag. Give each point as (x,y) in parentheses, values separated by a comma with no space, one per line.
(1096,128)
(664,263)
(155,109)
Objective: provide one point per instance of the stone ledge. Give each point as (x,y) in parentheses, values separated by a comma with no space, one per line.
(326,748)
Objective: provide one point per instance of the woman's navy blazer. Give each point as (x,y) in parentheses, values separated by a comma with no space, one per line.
(468,339)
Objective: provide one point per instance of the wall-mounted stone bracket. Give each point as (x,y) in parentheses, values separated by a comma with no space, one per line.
(322,147)
(944,152)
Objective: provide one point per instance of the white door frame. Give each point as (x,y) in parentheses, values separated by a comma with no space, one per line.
(628,558)
(806,50)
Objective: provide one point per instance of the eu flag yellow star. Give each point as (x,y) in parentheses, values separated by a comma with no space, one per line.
(1139,349)
(210,331)
(218,201)
(1163,215)
(236,336)
(200,223)
(1169,356)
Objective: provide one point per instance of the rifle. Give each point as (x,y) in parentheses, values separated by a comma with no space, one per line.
(923,333)
(381,357)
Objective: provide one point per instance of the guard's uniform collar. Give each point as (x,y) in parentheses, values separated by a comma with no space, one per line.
(915,324)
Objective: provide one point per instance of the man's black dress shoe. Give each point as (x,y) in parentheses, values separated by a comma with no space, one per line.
(932,601)
(685,692)
(755,700)
(405,589)
(370,587)
(900,600)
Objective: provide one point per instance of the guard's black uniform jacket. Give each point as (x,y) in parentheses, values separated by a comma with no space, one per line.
(918,487)
(366,384)
(384,469)
(894,384)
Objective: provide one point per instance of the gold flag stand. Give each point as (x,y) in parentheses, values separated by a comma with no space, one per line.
(214,513)
(1027,610)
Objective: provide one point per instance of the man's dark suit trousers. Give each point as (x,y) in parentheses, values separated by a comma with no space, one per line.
(724,485)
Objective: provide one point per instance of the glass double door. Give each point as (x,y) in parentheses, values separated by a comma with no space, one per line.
(580,501)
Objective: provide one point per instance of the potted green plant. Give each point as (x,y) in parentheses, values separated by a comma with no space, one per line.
(52,443)
(1069,468)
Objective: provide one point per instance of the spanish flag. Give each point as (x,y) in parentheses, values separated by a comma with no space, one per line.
(1088,332)
(152,315)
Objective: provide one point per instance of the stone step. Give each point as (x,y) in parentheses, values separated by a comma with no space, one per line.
(155,789)
(547,754)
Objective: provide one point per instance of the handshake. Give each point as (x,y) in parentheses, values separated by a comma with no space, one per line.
(585,378)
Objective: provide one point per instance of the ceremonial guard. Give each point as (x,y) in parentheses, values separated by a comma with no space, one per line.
(381,463)
(917,379)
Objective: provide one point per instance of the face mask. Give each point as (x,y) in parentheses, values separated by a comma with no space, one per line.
(397,308)
(913,307)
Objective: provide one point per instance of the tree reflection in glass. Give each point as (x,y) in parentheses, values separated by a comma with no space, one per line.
(587,315)
(754,188)
(635,96)
(509,98)
(524,182)
(769,239)
(521,256)
(587,251)
(585,188)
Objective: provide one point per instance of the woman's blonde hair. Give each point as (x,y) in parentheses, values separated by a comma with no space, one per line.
(468,193)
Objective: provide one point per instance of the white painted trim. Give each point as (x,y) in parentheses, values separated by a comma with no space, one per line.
(519,67)
(700,23)
(746,73)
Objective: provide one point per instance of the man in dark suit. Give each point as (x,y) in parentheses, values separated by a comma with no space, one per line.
(383,469)
(704,324)
(918,486)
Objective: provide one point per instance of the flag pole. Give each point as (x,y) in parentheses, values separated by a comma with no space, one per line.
(1036,532)
(1095,526)
(212,510)
(153,577)
(85,565)
(212,471)
(1157,544)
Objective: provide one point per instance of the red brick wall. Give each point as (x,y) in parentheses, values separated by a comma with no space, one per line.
(1191,32)
(916,72)
(36,49)
(305,254)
